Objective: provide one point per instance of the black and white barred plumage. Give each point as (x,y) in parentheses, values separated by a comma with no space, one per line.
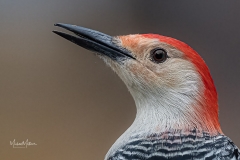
(178,146)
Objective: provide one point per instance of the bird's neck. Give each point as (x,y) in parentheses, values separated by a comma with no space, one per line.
(167,114)
(172,113)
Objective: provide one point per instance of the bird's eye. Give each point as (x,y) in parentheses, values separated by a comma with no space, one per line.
(159,55)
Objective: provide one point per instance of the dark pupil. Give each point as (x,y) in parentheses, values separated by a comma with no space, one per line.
(159,55)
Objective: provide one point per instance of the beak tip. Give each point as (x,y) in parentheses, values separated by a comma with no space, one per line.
(59,33)
(59,24)
(56,32)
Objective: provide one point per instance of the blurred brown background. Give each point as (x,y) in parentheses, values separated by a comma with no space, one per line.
(66,100)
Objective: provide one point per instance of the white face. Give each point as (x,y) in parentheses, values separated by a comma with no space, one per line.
(171,88)
(175,74)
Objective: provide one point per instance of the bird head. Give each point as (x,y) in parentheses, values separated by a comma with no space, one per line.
(169,81)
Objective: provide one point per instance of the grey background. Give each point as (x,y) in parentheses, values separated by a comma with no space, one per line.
(66,100)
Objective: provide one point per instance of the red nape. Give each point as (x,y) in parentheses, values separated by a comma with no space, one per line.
(210,93)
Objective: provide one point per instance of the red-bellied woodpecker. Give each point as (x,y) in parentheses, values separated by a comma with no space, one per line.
(176,100)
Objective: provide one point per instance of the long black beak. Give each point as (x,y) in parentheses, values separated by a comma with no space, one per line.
(94,41)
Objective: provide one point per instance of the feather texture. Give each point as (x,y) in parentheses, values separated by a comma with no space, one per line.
(178,146)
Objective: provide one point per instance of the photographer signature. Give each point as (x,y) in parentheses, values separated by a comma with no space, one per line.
(23,144)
